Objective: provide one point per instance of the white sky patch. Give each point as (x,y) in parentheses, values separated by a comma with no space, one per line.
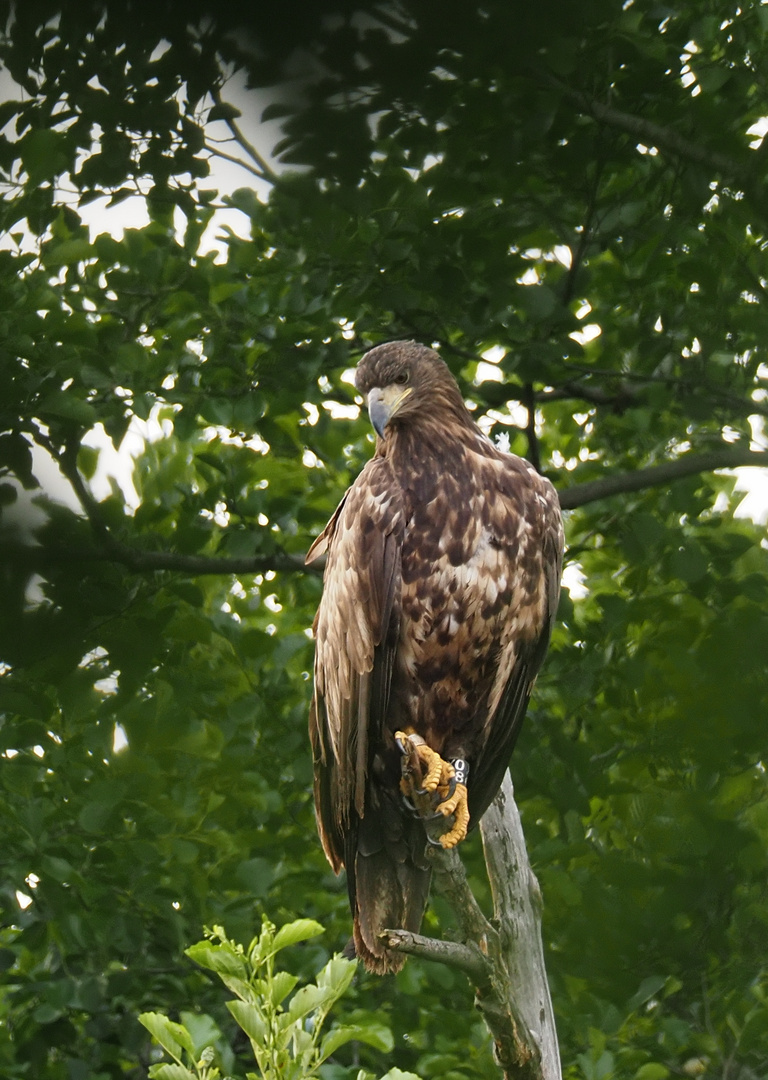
(488,373)
(495,354)
(107,685)
(758,129)
(754,482)
(515,416)
(119,739)
(573,580)
(530,277)
(589,333)
(310,460)
(561,462)
(339,411)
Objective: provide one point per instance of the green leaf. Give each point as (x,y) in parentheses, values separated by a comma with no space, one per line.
(167,1071)
(337,975)
(68,407)
(219,958)
(67,252)
(652,1071)
(203,1030)
(223,111)
(648,988)
(43,154)
(249,1020)
(306,1000)
(294,932)
(174,1038)
(280,987)
(339,1036)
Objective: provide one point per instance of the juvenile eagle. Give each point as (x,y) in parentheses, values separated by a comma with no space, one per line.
(441,586)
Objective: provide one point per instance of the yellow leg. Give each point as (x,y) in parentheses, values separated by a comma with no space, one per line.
(425,772)
(456,805)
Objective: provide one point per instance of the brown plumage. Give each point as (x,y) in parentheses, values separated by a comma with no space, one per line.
(441,586)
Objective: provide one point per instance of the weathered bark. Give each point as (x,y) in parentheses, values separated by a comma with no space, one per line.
(503,959)
(517,912)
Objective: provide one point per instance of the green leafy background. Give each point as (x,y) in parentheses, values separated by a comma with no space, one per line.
(482,178)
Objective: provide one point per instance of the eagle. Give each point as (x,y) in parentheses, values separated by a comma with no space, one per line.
(440,590)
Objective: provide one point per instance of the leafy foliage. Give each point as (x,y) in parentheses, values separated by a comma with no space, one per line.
(288,1040)
(568,200)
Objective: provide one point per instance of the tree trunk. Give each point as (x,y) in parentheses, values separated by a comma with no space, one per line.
(504,959)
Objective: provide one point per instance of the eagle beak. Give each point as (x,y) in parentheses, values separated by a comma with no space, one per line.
(384,403)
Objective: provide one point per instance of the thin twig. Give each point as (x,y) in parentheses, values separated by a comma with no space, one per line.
(239,161)
(269,173)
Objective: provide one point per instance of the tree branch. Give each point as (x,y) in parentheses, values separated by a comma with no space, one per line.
(142,561)
(529,401)
(504,960)
(646,131)
(149,561)
(114,550)
(517,909)
(655,475)
(466,958)
(487,952)
(267,173)
(237,161)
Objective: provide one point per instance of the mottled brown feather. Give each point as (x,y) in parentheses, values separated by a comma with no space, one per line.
(441,586)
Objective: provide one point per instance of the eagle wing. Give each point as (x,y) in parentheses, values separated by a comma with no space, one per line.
(356,631)
(529,516)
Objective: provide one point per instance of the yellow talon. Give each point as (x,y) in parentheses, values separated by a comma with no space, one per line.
(425,772)
(456,805)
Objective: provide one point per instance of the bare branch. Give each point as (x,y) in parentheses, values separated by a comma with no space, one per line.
(466,958)
(517,912)
(142,561)
(238,161)
(656,475)
(266,171)
(504,959)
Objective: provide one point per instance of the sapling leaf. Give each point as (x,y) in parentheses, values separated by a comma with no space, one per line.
(172,1037)
(166,1071)
(294,932)
(250,1020)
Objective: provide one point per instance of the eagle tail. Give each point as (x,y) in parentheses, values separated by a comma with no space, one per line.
(389,887)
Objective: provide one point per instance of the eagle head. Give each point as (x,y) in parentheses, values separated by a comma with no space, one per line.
(400,377)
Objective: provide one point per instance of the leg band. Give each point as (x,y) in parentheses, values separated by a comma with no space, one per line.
(461,770)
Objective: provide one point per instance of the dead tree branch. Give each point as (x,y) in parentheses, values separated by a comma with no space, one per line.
(503,959)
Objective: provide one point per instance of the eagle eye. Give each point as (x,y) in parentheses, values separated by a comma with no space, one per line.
(402,378)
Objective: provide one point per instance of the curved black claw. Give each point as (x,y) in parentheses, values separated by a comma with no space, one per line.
(434,843)
(416,812)
(402,747)
(438,798)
